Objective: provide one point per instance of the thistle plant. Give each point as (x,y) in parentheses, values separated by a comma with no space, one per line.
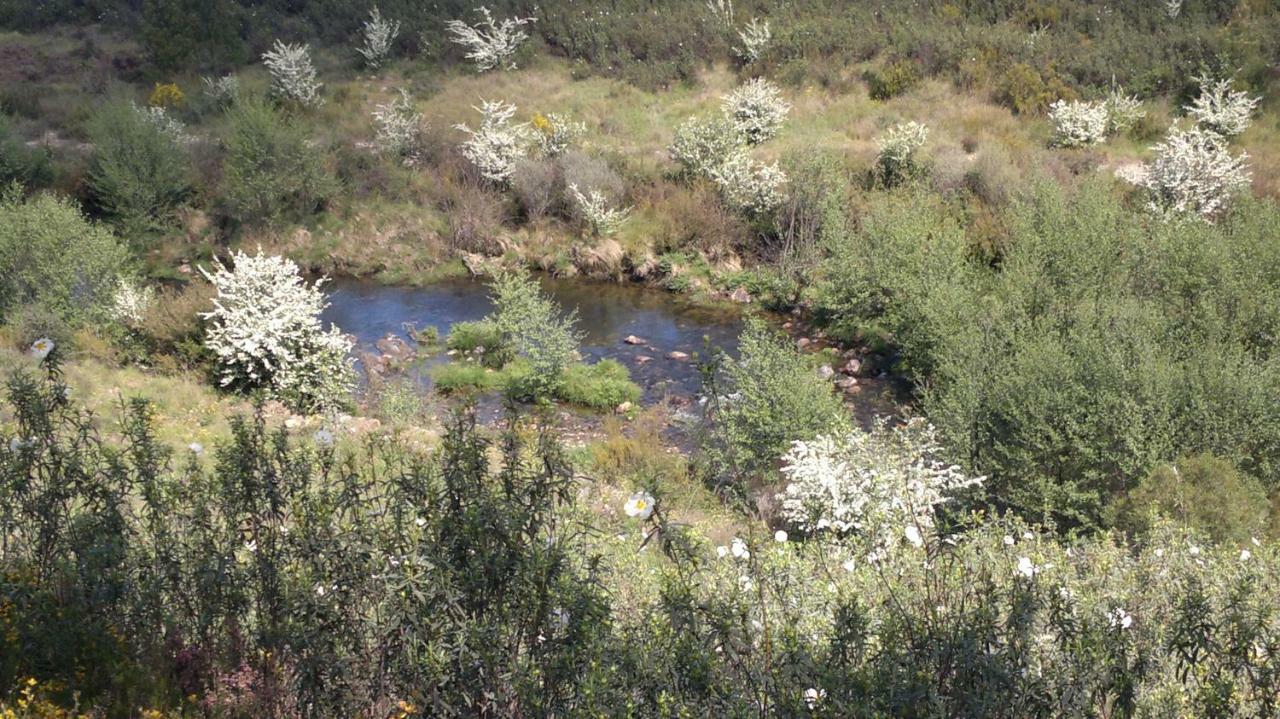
(595,210)
(399,127)
(1220,109)
(293,77)
(755,37)
(497,144)
(896,160)
(1193,172)
(701,145)
(748,186)
(490,44)
(1077,123)
(556,133)
(265,331)
(379,34)
(756,110)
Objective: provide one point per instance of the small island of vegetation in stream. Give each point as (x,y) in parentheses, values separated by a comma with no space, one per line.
(639,358)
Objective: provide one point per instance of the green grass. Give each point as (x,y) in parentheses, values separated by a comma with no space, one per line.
(603,385)
(455,377)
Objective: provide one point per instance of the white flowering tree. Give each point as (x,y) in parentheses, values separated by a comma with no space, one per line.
(885,484)
(748,186)
(1078,123)
(556,133)
(896,159)
(754,38)
(265,331)
(223,90)
(131,301)
(159,118)
(490,44)
(293,77)
(377,36)
(596,212)
(701,145)
(756,109)
(498,143)
(399,127)
(1221,109)
(1193,172)
(721,11)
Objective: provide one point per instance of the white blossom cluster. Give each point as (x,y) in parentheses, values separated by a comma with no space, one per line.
(1078,123)
(1172,8)
(498,144)
(265,331)
(159,118)
(379,34)
(756,109)
(1220,109)
(223,90)
(898,146)
(755,37)
(884,484)
(130,302)
(700,145)
(594,209)
(721,11)
(399,127)
(555,133)
(749,186)
(490,43)
(293,77)
(1123,111)
(1193,172)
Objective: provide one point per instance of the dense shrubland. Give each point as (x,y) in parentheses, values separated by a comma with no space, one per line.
(1070,514)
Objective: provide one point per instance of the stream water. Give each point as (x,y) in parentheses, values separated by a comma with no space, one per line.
(607,314)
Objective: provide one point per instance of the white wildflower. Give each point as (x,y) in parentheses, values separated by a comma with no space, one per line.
(756,109)
(196,448)
(1026,567)
(495,147)
(379,34)
(490,43)
(1220,109)
(1118,618)
(323,438)
(41,348)
(639,506)
(780,535)
(1245,555)
(1008,540)
(722,551)
(739,549)
(293,77)
(1077,123)
(913,535)
(812,697)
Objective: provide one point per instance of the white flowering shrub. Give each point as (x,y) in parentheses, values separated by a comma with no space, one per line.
(556,133)
(749,186)
(222,90)
(131,301)
(1193,172)
(1123,111)
(495,147)
(756,110)
(1220,109)
(721,12)
(594,209)
(378,34)
(754,38)
(896,159)
(159,118)
(1172,8)
(399,127)
(293,77)
(886,483)
(701,145)
(1078,123)
(265,331)
(490,44)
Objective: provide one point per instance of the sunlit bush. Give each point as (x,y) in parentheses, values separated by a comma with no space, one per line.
(748,186)
(1193,172)
(701,145)
(293,77)
(1077,123)
(1221,109)
(495,147)
(756,109)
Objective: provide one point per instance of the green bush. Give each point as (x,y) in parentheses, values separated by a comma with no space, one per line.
(895,78)
(1203,493)
(761,403)
(469,337)
(530,323)
(603,385)
(462,376)
(140,172)
(51,256)
(18,163)
(272,172)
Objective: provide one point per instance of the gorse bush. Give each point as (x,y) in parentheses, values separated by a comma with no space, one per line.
(51,256)
(265,331)
(141,172)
